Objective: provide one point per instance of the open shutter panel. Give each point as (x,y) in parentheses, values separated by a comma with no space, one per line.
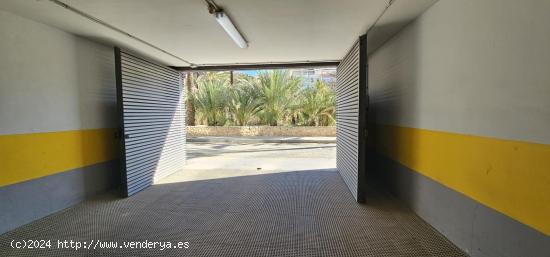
(152,110)
(351,100)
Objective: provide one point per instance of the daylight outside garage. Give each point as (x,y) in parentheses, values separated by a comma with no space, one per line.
(274,128)
(260,121)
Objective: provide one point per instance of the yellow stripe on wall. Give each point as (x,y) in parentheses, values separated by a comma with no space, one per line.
(511,177)
(29,156)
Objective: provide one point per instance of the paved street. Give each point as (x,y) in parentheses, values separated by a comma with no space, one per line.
(218,160)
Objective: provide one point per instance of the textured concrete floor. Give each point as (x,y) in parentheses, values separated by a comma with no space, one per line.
(280,210)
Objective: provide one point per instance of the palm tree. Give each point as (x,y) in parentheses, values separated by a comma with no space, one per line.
(274,98)
(213,76)
(318,105)
(278,91)
(244,103)
(210,101)
(190,106)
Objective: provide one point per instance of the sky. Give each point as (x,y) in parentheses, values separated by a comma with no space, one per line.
(308,79)
(249,72)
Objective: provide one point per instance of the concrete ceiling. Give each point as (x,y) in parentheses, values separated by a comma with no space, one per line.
(277,30)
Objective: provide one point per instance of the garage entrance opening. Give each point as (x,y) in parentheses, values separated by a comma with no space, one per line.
(275,106)
(257,122)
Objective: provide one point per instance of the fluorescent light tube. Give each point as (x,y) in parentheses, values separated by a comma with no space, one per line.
(228,26)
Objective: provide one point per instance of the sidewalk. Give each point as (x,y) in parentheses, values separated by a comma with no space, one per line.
(262,139)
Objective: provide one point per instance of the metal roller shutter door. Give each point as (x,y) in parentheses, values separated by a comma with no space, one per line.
(351,101)
(152,112)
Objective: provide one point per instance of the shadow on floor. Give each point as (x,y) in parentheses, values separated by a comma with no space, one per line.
(302,213)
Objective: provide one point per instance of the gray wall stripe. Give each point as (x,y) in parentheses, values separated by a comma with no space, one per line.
(477,229)
(31,200)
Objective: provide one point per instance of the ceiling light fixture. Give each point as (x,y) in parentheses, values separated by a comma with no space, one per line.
(227,25)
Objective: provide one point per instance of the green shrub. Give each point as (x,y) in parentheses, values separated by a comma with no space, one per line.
(210,100)
(278,93)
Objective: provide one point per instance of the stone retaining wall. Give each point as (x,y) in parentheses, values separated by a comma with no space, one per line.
(194,131)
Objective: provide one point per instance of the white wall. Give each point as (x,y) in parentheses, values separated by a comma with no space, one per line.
(51,80)
(470,67)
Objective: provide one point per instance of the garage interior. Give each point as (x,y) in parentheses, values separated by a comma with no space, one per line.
(443,128)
